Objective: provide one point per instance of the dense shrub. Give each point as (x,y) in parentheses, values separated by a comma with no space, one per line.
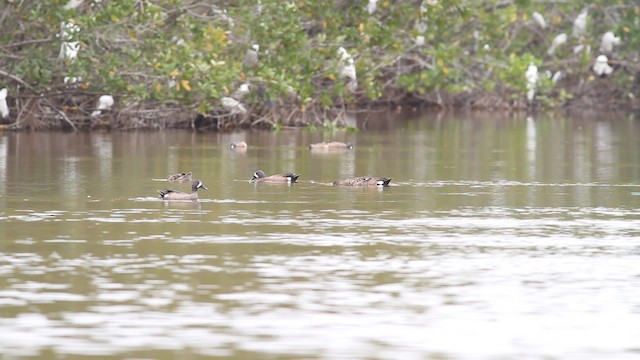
(166,61)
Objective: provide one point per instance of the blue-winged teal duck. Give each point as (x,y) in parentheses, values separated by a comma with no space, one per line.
(334,145)
(363,181)
(182,177)
(179,195)
(238,145)
(288,178)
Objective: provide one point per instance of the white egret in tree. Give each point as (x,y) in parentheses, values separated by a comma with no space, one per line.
(72,4)
(601,67)
(69,48)
(105,102)
(532,79)
(241,91)
(557,41)
(372,6)
(251,56)
(4,107)
(539,19)
(556,77)
(233,106)
(347,69)
(580,24)
(609,40)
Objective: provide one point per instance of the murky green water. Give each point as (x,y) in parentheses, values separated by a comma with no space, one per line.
(501,238)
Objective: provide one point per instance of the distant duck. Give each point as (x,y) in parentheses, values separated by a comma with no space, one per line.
(288,178)
(182,177)
(363,181)
(238,145)
(179,195)
(331,146)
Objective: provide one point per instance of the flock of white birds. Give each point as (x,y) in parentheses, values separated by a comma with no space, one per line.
(600,66)
(70,47)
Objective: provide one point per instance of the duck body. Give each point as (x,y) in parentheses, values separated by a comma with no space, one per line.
(168,194)
(363,181)
(288,178)
(333,145)
(181,177)
(238,145)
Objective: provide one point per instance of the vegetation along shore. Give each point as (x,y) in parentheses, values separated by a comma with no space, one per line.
(153,64)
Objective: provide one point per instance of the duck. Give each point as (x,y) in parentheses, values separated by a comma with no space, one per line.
(180,178)
(363,181)
(260,177)
(331,146)
(238,145)
(168,194)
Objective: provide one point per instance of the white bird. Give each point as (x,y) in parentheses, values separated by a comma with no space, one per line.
(539,19)
(4,107)
(233,105)
(580,24)
(69,49)
(556,77)
(347,69)
(532,79)
(72,4)
(372,6)
(601,66)
(557,41)
(251,56)
(241,91)
(609,39)
(105,102)
(419,40)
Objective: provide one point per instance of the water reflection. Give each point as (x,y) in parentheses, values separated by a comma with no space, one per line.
(518,235)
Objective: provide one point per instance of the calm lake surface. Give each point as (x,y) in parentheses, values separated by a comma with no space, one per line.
(501,238)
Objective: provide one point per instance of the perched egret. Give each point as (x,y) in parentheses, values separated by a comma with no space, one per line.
(372,6)
(69,49)
(4,107)
(609,40)
(241,91)
(601,66)
(539,19)
(419,40)
(251,56)
(105,102)
(557,41)
(347,69)
(234,106)
(72,4)
(556,77)
(532,79)
(580,24)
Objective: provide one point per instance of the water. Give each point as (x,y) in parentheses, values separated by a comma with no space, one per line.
(500,238)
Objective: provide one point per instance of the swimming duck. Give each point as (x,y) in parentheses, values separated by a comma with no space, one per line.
(238,145)
(288,178)
(179,195)
(181,177)
(333,145)
(363,181)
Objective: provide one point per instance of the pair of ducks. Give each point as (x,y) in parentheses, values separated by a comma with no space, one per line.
(260,177)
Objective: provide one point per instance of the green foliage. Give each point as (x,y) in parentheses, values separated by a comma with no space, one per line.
(190,52)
